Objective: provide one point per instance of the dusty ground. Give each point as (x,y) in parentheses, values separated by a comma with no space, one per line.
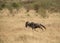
(13,30)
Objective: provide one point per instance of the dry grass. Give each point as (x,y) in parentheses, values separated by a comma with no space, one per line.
(12,29)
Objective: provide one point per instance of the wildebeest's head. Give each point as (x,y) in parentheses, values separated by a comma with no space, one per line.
(26,24)
(30,24)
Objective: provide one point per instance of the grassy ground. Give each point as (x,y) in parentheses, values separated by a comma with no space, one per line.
(13,30)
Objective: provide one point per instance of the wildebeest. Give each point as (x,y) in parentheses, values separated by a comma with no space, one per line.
(34,25)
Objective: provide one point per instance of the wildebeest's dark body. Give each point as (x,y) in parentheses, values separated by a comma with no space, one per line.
(34,25)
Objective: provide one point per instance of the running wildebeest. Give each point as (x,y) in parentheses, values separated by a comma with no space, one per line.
(34,25)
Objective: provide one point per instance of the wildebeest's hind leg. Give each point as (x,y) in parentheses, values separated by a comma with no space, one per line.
(43,26)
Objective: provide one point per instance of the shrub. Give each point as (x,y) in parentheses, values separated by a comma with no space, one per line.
(42,12)
(2,6)
(16,5)
(28,15)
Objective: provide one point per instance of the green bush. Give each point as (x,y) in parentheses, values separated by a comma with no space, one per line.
(42,12)
(16,5)
(35,4)
(2,6)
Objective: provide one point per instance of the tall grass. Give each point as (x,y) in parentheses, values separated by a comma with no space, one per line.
(1,41)
(51,5)
(42,3)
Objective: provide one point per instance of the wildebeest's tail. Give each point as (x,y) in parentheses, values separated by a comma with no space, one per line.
(43,26)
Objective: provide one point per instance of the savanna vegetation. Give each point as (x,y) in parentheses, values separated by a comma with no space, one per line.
(53,5)
(15,13)
(40,6)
